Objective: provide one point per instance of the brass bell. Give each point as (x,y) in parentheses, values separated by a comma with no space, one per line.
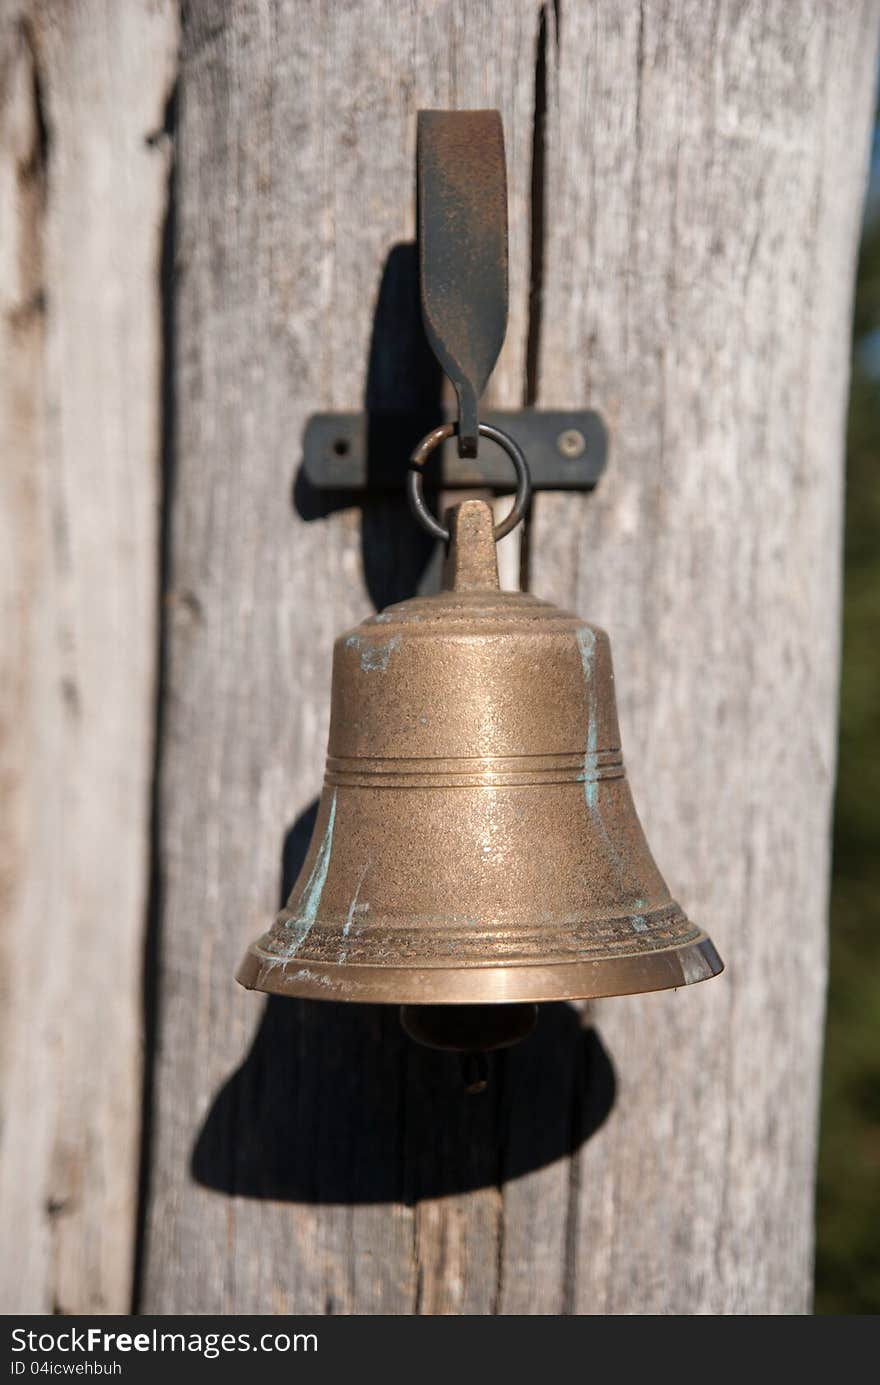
(476,848)
(476,843)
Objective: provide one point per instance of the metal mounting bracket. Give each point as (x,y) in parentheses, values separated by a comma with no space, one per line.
(462,242)
(462,207)
(566,450)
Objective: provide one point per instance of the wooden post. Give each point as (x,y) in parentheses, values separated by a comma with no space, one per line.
(700,260)
(83,178)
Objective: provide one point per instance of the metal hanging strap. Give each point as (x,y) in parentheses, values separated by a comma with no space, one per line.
(462,191)
(462,200)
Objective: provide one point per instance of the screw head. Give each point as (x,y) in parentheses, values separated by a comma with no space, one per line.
(571,443)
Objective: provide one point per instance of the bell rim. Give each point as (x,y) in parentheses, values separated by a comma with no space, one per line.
(512,983)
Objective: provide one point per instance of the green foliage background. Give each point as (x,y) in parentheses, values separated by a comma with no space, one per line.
(848,1229)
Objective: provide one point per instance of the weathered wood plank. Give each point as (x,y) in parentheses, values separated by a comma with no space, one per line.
(702,197)
(317,1178)
(706,168)
(83,91)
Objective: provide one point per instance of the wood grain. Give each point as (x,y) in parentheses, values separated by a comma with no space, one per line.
(83,177)
(705,175)
(296,182)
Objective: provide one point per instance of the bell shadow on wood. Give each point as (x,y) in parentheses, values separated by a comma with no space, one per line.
(334,1104)
(403,400)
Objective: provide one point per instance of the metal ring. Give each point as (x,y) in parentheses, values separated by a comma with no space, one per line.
(415,492)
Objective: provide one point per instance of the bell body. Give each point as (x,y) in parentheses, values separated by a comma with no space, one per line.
(476,840)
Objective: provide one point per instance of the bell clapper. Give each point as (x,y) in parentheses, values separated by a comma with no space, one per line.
(471,1031)
(475,1072)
